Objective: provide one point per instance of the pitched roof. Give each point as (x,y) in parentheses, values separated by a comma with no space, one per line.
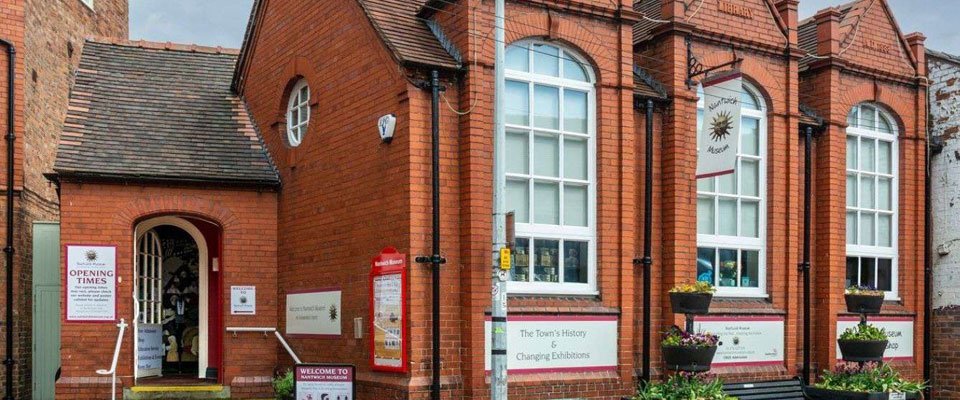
(653,11)
(931,53)
(407,34)
(850,15)
(646,86)
(160,112)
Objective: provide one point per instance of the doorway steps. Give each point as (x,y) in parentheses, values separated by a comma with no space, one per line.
(186,392)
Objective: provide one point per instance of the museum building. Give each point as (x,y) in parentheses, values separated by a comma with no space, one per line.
(210,198)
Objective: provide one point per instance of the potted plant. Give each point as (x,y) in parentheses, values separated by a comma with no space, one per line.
(691,352)
(863,300)
(683,386)
(863,342)
(869,381)
(692,298)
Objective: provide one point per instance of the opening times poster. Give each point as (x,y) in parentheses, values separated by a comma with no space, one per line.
(91,283)
(387,312)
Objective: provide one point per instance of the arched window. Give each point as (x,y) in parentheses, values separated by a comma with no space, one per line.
(731,210)
(298,113)
(550,168)
(872,199)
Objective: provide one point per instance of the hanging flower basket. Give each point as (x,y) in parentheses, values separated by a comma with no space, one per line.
(691,303)
(827,394)
(688,358)
(862,350)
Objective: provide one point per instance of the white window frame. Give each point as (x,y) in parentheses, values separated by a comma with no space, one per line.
(296,130)
(741,243)
(534,231)
(858,250)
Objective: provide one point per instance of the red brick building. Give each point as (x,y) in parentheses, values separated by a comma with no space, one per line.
(48,39)
(313,79)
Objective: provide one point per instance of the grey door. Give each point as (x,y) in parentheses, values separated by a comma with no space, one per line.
(46,308)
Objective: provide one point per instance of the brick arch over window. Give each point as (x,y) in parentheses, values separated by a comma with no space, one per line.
(900,108)
(143,208)
(297,68)
(574,36)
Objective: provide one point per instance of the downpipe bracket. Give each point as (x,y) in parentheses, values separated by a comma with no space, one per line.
(434,259)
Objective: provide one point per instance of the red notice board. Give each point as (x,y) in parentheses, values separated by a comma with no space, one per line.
(388,320)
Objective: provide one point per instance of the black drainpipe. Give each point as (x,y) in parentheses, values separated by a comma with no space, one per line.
(805,263)
(9,361)
(647,259)
(435,259)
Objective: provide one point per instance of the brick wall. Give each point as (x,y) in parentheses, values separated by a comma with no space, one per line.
(107,214)
(944,98)
(43,34)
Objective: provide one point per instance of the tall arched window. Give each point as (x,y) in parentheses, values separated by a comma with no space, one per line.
(550,168)
(731,210)
(872,199)
(298,113)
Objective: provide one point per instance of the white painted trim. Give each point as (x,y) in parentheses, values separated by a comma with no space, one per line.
(191,229)
(88,3)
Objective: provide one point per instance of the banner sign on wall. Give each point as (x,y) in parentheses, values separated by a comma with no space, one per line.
(388,324)
(719,137)
(745,341)
(899,333)
(91,283)
(150,350)
(566,343)
(314,313)
(243,300)
(324,382)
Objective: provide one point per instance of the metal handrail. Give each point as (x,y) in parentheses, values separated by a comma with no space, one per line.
(237,329)
(116,354)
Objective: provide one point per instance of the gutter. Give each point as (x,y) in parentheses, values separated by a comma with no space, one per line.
(60,177)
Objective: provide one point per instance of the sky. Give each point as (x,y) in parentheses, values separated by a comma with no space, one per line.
(222,22)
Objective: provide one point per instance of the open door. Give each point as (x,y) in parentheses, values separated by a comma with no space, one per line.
(147,293)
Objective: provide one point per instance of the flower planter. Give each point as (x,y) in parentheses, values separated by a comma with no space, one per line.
(826,394)
(862,350)
(690,359)
(691,303)
(861,304)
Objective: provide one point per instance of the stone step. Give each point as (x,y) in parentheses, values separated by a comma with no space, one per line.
(185,392)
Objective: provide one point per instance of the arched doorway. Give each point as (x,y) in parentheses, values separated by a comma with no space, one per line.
(170,294)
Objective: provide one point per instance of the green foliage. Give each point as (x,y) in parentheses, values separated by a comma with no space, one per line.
(869,378)
(699,287)
(683,387)
(864,291)
(283,385)
(864,332)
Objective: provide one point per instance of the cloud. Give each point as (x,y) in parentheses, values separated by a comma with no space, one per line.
(205,22)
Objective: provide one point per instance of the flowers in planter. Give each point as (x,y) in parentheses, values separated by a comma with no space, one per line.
(699,287)
(676,337)
(863,291)
(684,386)
(868,378)
(864,332)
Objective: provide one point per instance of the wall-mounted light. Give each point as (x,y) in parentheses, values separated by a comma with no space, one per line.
(386,126)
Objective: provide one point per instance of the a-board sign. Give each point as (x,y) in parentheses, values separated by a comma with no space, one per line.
(388,301)
(90,277)
(324,382)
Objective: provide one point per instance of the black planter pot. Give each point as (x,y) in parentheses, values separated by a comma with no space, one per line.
(860,304)
(825,394)
(862,350)
(690,359)
(691,303)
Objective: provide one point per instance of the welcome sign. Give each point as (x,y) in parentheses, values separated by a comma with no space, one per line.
(719,138)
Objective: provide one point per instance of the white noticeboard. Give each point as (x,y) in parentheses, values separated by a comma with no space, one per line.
(745,341)
(150,349)
(719,138)
(324,382)
(899,333)
(91,283)
(243,300)
(538,344)
(314,313)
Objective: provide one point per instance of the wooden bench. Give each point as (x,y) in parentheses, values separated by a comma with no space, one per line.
(791,389)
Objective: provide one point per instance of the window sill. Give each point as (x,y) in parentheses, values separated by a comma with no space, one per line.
(744,306)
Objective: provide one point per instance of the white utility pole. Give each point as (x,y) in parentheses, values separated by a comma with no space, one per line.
(498,348)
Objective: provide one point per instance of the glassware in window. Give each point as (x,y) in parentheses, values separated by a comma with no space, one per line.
(547,265)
